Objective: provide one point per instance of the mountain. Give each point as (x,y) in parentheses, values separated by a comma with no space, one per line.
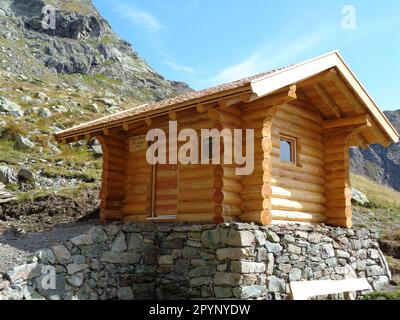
(52,79)
(378,163)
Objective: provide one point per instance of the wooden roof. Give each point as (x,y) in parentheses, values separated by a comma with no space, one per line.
(326,81)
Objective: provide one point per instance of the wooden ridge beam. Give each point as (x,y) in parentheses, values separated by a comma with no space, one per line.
(345,90)
(328,100)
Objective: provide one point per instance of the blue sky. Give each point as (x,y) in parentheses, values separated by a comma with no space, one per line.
(206,42)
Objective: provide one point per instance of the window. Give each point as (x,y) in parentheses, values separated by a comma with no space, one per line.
(288,148)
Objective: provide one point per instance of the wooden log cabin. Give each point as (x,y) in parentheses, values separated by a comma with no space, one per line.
(305,117)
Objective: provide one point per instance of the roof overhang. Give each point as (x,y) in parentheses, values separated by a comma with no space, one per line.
(257,87)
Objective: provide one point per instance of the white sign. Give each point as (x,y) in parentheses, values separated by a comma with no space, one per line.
(137,143)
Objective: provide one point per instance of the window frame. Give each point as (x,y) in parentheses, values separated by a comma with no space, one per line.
(293,142)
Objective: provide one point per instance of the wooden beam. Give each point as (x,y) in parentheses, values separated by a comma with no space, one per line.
(106,132)
(310,82)
(148,121)
(348,121)
(279,98)
(172,116)
(328,100)
(125,126)
(345,90)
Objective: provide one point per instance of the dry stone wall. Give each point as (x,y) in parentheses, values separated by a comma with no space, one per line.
(182,261)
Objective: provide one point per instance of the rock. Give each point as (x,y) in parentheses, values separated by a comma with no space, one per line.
(44,113)
(327,251)
(25,175)
(342,254)
(360,198)
(295,274)
(381,283)
(201,281)
(86,293)
(215,238)
(119,244)
(232,254)
(83,239)
(59,109)
(94,108)
(23,143)
(166,259)
(75,268)
(225,278)
(10,107)
(247,267)
(293,249)
(75,280)
(120,258)
(272,236)
(273,247)
(275,284)
(249,292)
(46,256)
(373,254)
(374,271)
(41,96)
(135,242)
(97,150)
(61,254)
(8,175)
(223,292)
(24,272)
(98,235)
(238,238)
(125,293)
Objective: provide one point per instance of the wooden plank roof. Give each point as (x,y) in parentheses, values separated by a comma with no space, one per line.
(257,86)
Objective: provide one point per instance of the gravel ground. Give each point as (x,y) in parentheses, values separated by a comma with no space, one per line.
(15,248)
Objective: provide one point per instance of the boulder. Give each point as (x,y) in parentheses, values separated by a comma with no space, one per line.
(10,107)
(44,113)
(25,175)
(360,198)
(23,143)
(8,175)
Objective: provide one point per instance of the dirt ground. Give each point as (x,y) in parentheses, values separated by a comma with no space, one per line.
(28,226)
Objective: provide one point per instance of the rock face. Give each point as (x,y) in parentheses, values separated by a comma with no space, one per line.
(82,44)
(182,261)
(378,163)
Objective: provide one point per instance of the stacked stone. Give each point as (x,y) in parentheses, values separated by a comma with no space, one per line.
(183,261)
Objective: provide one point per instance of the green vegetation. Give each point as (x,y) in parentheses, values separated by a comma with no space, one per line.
(381,196)
(384,295)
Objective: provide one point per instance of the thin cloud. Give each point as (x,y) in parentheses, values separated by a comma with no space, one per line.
(141,18)
(178,67)
(268,57)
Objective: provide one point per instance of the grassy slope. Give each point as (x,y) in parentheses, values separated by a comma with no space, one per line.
(385,217)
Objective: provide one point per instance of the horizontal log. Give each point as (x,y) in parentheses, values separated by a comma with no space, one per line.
(228,198)
(110,215)
(254,205)
(304,113)
(298,176)
(292,205)
(136,218)
(252,180)
(310,169)
(138,208)
(297,216)
(226,172)
(259,217)
(137,198)
(196,207)
(344,212)
(198,217)
(344,223)
(227,210)
(284,182)
(196,195)
(298,195)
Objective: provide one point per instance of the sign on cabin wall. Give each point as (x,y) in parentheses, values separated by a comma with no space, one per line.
(137,143)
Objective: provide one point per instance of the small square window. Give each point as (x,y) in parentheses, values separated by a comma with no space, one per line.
(288,148)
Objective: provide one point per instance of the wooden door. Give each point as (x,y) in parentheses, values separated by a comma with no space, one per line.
(166,190)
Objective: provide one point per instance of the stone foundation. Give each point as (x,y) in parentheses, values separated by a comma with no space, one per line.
(182,261)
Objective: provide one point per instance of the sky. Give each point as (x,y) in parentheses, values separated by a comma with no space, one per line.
(208,42)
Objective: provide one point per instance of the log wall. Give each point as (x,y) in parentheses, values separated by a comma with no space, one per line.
(112,193)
